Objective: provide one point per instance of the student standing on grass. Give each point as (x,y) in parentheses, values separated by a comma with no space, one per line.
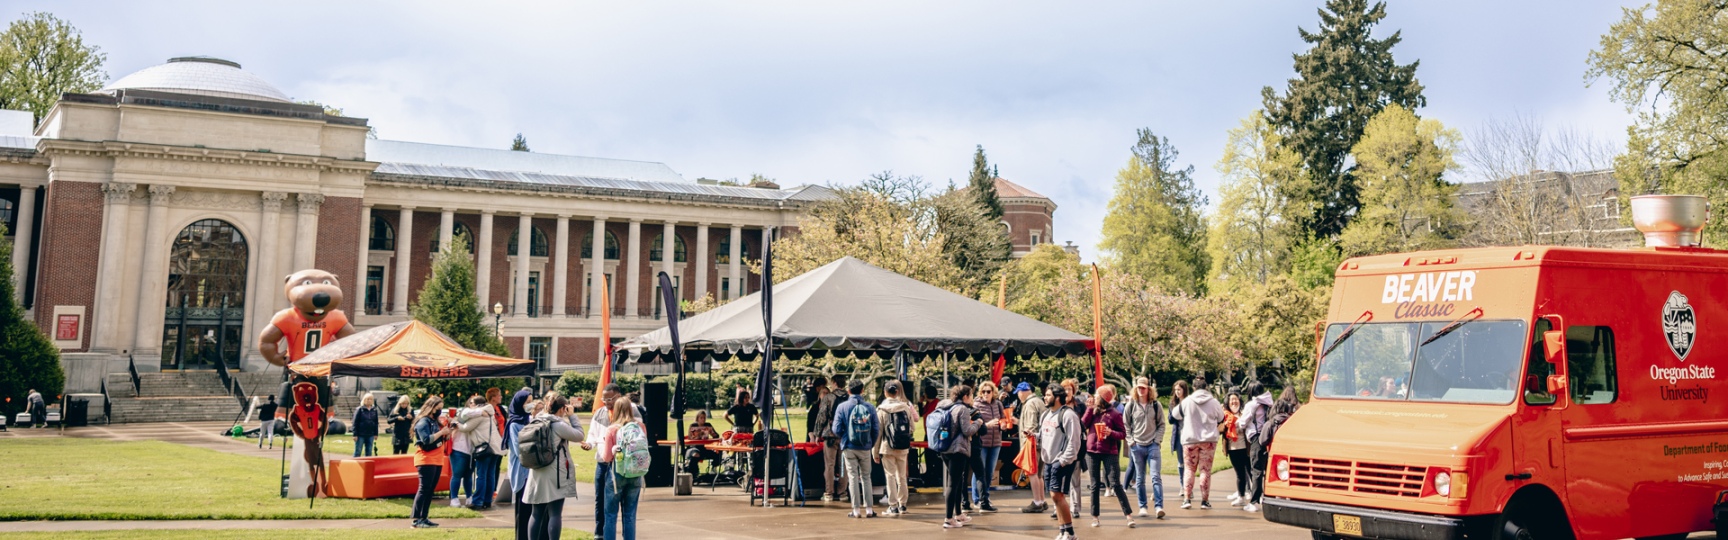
(267,423)
(1060,441)
(855,422)
(1104,436)
(519,417)
(430,437)
(1031,410)
(964,423)
(365,424)
(620,511)
(1144,417)
(1200,414)
(401,425)
(989,449)
(895,416)
(597,424)
(549,486)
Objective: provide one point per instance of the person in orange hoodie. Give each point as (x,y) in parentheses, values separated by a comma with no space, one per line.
(431,455)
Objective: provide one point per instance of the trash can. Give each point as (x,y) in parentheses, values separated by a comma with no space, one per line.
(77,412)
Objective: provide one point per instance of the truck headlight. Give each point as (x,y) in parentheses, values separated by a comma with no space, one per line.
(1283,470)
(1443,483)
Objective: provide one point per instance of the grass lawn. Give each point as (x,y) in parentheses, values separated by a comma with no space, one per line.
(276,534)
(67,479)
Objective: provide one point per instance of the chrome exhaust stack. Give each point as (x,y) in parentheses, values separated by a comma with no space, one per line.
(1670,220)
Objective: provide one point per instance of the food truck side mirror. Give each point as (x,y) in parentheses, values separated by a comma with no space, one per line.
(1555,346)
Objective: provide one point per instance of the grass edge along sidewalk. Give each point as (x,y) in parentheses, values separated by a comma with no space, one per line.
(84,479)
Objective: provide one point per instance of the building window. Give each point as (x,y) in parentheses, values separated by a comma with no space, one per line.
(383,237)
(724,254)
(659,241)
(457,230)
(1590,364)
(8,215)
(725,289)
(537,246)
(1037,237)
(374,290)
(540,351)
(588,246)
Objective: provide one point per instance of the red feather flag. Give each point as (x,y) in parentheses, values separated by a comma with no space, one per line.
(1001,359)
(1097,327)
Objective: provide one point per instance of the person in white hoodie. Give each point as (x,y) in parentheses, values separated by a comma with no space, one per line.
(1060,438)
(481,422)
(1200,414)
(895,415)
(462,451)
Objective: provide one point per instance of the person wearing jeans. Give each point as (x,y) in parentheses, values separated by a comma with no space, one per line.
(620,509)
(989,447)
(598,425)
(1144,417)
(856,440)
(365,424)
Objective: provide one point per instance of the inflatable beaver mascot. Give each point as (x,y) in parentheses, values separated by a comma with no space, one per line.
(312,320)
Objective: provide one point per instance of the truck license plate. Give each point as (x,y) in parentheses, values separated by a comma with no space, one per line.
(1343,524)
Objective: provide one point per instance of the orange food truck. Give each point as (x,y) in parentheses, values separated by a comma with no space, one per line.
(1519,392)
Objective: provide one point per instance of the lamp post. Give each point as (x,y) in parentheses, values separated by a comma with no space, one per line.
(498,319)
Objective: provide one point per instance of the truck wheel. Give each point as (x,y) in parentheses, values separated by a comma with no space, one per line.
(1532,519)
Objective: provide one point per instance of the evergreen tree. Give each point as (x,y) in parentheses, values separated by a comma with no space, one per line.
(1341,82)
(982,182)
(27,358)
(1153,227)
(41,57)
(447,303)
(519,144)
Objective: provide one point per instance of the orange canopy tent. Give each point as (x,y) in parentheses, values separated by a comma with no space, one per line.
(407,350)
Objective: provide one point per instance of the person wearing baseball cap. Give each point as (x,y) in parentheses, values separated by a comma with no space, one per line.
(1145,420)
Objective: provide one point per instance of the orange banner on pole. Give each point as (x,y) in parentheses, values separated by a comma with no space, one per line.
(605,335)
(1097,327)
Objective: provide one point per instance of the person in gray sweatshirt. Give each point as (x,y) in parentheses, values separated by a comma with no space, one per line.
(1060,438)
(1145,419)
(1200,414)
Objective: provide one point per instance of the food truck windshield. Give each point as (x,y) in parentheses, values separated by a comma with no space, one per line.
(1464,361)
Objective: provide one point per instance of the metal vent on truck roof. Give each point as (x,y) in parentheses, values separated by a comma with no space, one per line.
(1670,220)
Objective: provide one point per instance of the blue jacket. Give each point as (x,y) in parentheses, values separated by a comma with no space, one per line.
(843,414)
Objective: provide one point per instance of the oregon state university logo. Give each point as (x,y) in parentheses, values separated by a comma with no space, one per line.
(1679,324)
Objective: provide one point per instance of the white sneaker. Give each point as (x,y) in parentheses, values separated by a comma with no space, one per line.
(950,524)
(1251,507)
(1236,496)
(455,503)
(1130,519)
(1238,502)
(1159,511)
(1142,511)
(1186,504)
(1094,522)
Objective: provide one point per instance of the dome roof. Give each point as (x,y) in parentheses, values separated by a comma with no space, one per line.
(200,75)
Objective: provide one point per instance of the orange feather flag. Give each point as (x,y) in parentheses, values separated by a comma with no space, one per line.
(1097,327)
(605,335)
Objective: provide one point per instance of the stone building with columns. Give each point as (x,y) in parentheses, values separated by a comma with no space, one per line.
(155,219)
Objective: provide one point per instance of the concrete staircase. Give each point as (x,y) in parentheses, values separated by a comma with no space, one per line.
(194,396)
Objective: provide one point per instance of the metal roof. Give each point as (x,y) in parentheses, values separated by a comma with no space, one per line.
(201,76)
(19,142)
(455,158)
(613,187)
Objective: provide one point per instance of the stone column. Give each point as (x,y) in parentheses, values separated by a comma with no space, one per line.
(306,230)
(561,267)
(21,239)
(633,280)
(524,237)
(403,262)
(269,275)
(701,260)
(105,333)
(147,334)
(668,242)
(483,262)
(597,267)
(734,267)
(359,305)
(447,229)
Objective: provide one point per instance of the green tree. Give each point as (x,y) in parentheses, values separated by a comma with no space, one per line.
(41,57)
(876,227)
(1314,262)
(519,144)
(982,183)
(1250,236)
(1407,204)
(1668,62)
(1274,327)
(1153,227)
(448,304)
(27,358)
(1341,82)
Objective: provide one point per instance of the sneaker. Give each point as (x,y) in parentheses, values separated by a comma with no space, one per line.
(1094,522)
(1205,505)
(1130,521)
(1238,502)
(1251,507)
(1159,511)
(428,523)
(870,513)
(891,511)
(1032,508)
(1237,496)
(455,503)
(950,524)
(1186,504)
(986,507)
(1142,511)
(853,514)
(827,497)
(963,518)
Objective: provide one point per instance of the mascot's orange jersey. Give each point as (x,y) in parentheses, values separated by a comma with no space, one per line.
(305,336)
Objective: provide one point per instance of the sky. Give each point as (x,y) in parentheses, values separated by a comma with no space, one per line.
(831,92)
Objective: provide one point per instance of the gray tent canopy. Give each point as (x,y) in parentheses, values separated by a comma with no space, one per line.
(849,307)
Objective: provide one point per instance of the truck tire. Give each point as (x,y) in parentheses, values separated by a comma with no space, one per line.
(1534,518)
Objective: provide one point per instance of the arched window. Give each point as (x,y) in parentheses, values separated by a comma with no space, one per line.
(457,230)
(611,246)
(677,248)
(206,303)
(723,255)
(537,246)
(383,237)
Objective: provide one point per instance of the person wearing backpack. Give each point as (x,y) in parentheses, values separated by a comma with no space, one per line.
(429,458)
(895,416)
(549,484)
(1253,420)
(855,422)
(1060,441)
(1145,419)
(989,447)
(625,448)
(955,422)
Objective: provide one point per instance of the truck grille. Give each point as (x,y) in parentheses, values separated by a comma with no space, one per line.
(1357,476)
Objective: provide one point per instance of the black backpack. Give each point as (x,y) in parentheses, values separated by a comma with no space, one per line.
(537,444)
(900,430)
